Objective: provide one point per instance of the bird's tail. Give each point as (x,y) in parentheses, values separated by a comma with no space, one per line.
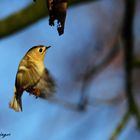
(16,103)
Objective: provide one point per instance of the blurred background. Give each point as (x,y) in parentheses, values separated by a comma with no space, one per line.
(85,109)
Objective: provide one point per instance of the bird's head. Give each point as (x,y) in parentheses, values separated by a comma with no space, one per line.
(38,52)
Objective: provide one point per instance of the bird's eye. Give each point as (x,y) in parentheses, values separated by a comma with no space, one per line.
(40,50)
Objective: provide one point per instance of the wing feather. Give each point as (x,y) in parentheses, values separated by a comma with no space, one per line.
(27,76)
(46,85)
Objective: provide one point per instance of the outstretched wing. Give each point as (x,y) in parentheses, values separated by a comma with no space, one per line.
(46,85)
(45,88)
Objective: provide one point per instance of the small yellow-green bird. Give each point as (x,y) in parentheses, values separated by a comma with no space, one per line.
(33,77)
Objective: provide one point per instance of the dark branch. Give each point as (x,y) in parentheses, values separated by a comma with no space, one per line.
(128,39)
(136,63)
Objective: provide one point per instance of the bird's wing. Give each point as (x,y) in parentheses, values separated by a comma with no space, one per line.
(27,76)
(46,85)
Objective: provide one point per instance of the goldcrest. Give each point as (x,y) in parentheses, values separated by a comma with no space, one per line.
(33,77)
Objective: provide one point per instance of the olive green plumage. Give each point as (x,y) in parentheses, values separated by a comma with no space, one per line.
(33,77)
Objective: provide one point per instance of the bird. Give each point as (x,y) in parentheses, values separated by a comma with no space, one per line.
(32,77)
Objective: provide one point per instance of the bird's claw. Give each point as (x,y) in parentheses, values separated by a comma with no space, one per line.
(35,92)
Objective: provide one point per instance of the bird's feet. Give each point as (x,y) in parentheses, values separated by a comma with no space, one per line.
(35,91)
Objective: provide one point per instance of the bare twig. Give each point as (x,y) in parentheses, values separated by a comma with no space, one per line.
(128,39)
(121,126)
(93,103)
(93,72)
(63,103)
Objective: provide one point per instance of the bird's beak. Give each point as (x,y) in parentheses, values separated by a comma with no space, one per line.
(47,47)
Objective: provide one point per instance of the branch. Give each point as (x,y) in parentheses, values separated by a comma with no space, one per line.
(27,16)
(95,71)
(121,126)
(136,63)
(128,39)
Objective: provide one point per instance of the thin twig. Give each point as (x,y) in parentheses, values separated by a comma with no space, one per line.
(121,126)
(94,71)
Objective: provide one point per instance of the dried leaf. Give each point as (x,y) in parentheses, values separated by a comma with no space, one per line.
(57,11)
